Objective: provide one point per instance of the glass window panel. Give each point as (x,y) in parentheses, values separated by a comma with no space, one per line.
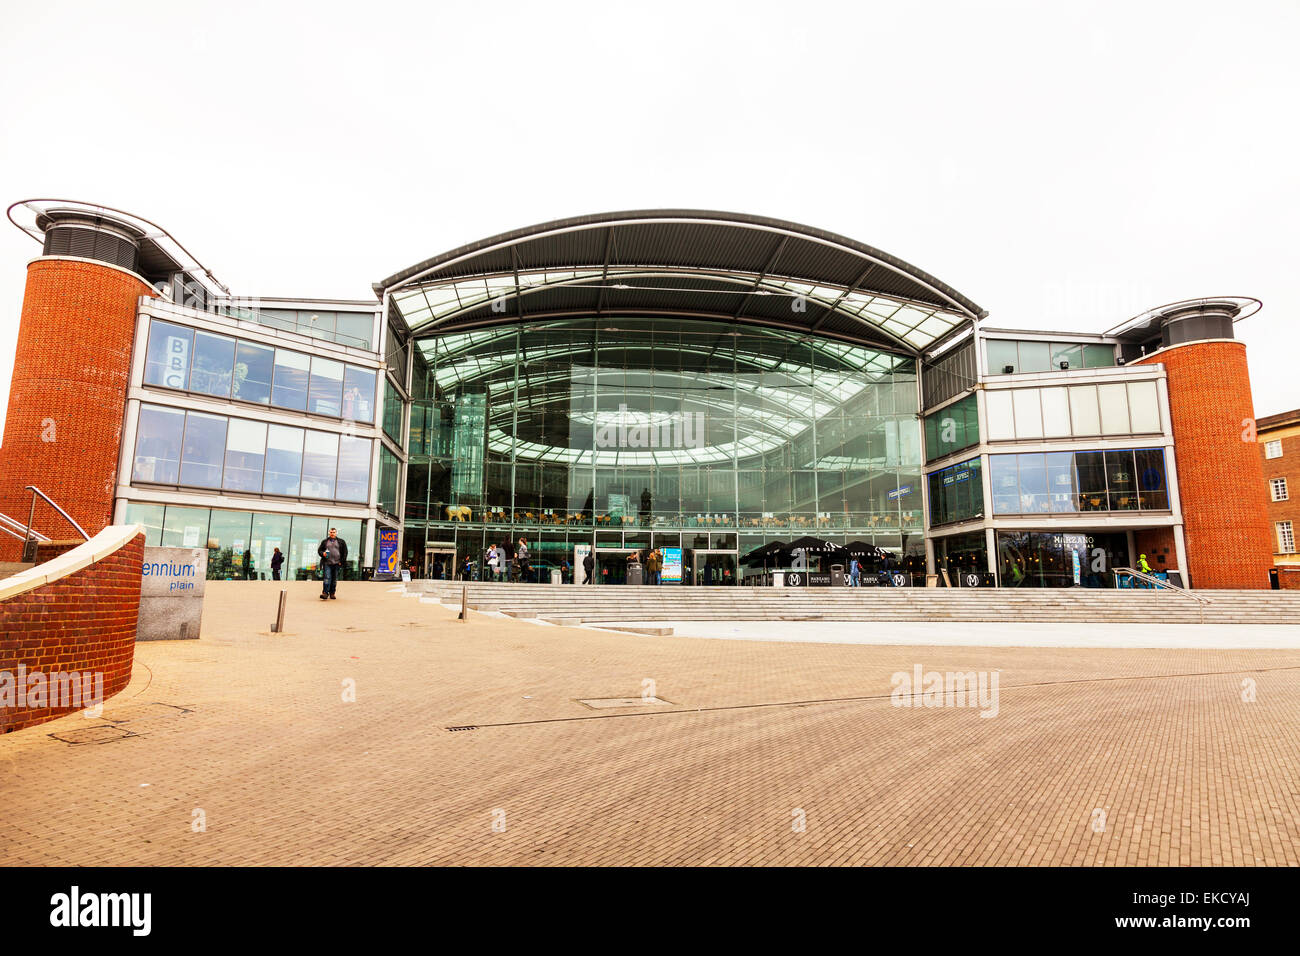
(254,365)
(1153,490)
(1072,355)
(1029,413)
(1060,482)
(291,378)
(1004,480)
(355,329)
(204,450)
(1001,354)
(270,533)
(326,392)
(1056,412)
(354,469)
(229,537)
(1144,406)
(185,527)
(167,359)
(1098,356)
(1085,419)
(359,394)
(159,435)
(308,532)
(213,365)
(1121,481)
(283,460)
(1035,357)
(389,472)
(1113,399)
(1090,480)
(151,517)
(1001,416)
(392,423)
(320,454)
(245,454)
(1033,484)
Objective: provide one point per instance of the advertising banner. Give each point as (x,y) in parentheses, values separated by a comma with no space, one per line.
(387,552)
(671,573)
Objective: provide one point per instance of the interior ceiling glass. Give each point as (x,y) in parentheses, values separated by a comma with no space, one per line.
(427,307)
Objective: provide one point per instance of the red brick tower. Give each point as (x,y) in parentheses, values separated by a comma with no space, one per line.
(1220,475)
(68,394)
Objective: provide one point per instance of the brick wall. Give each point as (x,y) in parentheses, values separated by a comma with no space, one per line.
(84,622)
(1224,518)
(1288,467)
(68,395)
(1158,545)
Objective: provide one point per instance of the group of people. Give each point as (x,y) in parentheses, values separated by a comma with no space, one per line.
(497,561)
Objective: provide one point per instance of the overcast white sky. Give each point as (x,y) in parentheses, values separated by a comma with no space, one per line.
(1065,166)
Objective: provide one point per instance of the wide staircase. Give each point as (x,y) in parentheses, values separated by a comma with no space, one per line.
(584,604)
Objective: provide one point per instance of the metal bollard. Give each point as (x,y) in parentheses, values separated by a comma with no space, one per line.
(464,604)
(279,617)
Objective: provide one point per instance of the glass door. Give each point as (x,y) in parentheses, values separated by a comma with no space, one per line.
(611,565)
(713,568)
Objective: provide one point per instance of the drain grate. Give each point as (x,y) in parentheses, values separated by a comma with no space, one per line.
(603,703)
(99,734)
(466,727)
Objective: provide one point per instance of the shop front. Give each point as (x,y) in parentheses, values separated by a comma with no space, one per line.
(1054,559)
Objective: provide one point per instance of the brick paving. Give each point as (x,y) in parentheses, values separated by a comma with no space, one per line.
(252,730)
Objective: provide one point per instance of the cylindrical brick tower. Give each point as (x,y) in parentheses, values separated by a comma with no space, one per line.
(1220,474)
(73,361)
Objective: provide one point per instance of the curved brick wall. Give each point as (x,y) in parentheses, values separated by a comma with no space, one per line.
(1220,477)
(71,369)
(83,622)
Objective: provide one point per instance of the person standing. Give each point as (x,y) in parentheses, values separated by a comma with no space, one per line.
(588,565)
(333,552)
(277,562)
(493,562)
(248,565)
(522,557)
(855,572)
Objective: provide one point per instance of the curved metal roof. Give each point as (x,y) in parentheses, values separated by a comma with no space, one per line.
(682,262)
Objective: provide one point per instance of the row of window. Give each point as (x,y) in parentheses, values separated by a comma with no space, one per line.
(242,544)
(1063,482)
(199,450)
(190,360)
(1117,408)
(1009,357)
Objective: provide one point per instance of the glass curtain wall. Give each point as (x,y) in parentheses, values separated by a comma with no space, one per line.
(580,430)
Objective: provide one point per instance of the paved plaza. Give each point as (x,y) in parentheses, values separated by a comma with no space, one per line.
(240,748)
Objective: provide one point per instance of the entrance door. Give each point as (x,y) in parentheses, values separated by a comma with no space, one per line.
(713,568)
(439,562)
(611,565)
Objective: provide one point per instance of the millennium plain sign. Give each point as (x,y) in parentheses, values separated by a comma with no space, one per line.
(171,593)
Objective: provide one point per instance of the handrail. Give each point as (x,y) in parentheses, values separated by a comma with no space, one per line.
(51,502)
(14,534)
(1158,584)
(11,525)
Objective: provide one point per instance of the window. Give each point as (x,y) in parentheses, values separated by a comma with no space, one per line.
(1278,487)
(1071,355)
(283,460)
(389,471)
(290,386)
(325,394)
(1144,406)
(167,359)
(1002,422)
(1029,413)
(947,431)
(354,469)
(1273,449)
(254,365)
(1001,354)
(158,445)
(956,493)
(320,453)
(1114,409)
(359,394)
(1035,357)
(1285,538)
(392,412)
(204,451)
(213,366)
(1066,482)
(1084,414)
(1098,356)
(245,454)
(1056,413)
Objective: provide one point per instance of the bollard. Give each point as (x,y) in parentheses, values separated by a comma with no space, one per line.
(279,617)
(464,604)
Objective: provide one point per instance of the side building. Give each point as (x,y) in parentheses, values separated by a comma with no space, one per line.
(1279,441)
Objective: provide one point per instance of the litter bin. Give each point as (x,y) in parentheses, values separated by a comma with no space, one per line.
(634,573)
(1272,579)
(837,576)
(557,576)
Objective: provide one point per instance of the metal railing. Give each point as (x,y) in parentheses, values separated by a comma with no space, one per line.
(1157,584)
(16,529)
(31,539)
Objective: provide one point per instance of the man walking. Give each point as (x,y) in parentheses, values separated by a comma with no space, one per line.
(588,565)
(333,553)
